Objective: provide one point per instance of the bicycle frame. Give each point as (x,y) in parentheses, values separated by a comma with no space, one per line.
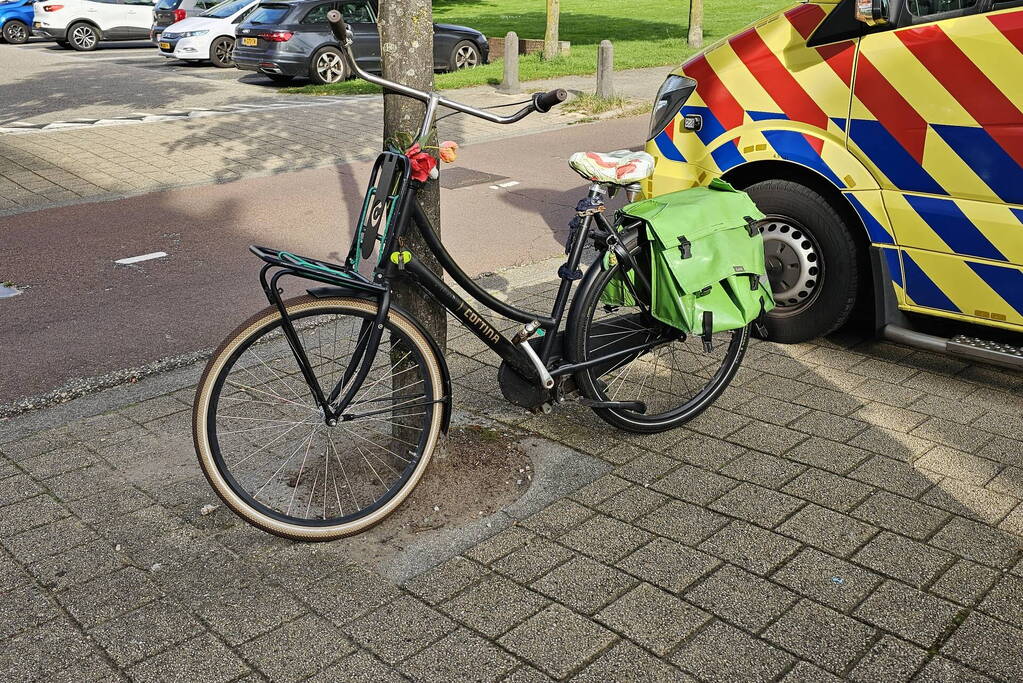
(391,205)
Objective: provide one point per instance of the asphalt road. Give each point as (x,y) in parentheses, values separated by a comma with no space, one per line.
(82,314)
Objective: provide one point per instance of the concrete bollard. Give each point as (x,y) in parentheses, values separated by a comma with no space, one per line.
(510,84)
(605,69)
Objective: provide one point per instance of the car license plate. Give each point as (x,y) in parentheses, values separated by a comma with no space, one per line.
(164,46)
(250,42)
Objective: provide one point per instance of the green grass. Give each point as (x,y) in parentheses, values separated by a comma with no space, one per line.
(644,32)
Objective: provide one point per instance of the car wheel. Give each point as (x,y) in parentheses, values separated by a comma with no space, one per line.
(280,78)
(83,37)
(16,32)
(221,52)
(812,261)
(327,66)
(465,55)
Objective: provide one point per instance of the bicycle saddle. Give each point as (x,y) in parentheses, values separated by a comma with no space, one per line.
(621,167)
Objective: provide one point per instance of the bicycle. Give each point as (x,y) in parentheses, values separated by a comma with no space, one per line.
(317,416)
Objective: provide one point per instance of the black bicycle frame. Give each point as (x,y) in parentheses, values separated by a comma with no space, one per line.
(391,204)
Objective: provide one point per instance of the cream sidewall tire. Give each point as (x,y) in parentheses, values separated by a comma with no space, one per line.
(204,392)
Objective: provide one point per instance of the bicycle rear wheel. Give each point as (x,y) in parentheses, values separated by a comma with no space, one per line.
(262,441)
(676,380)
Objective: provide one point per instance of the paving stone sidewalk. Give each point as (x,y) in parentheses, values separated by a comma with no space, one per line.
(55,167)
(847,510)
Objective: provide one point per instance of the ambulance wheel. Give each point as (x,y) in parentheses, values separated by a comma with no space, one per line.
(813,261)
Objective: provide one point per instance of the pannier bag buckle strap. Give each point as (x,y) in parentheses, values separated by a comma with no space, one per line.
(685,246)
(751,226)
(708,331)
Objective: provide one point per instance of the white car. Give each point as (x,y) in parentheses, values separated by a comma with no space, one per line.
(207,36)
(82,24)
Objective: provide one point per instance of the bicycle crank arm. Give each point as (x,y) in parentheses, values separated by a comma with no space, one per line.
(635,406)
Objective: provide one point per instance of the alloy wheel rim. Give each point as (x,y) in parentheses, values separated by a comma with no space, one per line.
(466,57)
(794,265)
(329,68)
(223,51)
(83,37)
(16,32)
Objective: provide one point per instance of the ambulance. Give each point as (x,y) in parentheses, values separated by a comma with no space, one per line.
(884,141)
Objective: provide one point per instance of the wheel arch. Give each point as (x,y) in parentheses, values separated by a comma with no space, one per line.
(90,22)
(748,174)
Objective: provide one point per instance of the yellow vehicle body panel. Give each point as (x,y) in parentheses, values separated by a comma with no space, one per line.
(920,128)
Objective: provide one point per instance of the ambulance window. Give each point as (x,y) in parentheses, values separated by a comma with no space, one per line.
(927,8)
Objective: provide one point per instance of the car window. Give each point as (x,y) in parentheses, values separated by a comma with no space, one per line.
(225,9)
(206,4)
(168,4)
(147,3)
(921,9)
(356,12)
(318,14)
(269,14)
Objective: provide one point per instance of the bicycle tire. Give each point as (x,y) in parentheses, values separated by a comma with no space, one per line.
(581,329)
(208,394)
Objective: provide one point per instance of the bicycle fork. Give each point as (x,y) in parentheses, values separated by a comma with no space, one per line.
(370,335)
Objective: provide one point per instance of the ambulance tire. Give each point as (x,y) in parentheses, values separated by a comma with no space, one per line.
(813,261)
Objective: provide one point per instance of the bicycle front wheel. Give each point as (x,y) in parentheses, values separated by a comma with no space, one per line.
(676,380)
(262,440)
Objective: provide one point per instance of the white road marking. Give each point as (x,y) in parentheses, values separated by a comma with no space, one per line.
(144,257)
(510,183)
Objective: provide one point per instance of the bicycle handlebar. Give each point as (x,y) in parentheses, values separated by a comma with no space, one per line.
(542,102)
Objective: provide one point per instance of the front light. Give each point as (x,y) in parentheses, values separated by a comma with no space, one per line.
(670,98)
(192,34)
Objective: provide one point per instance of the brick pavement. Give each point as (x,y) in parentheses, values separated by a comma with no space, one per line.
(848,509)
(54,167)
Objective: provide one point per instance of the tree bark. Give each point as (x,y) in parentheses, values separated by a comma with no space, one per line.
(551,46)
(696,23)
(406,48)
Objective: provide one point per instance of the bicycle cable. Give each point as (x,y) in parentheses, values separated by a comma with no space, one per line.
(496,106)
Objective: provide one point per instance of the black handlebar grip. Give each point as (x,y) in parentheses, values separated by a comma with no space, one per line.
(544,102)
(338,26)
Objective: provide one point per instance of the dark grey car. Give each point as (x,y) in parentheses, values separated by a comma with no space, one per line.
(169,12)
(292,39)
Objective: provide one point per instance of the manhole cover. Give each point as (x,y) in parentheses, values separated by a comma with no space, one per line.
(454,178)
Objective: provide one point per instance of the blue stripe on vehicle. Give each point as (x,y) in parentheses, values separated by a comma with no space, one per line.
(986,158)
(954,228)
(794,147)
(727,156)
(877,232)
(666,146)
(892,158)
(1007,282)
(840,122)
(766,115)
(1018,213)
(894,265)
(921,288)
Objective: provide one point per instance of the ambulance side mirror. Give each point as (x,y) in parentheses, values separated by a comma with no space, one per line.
(872,12)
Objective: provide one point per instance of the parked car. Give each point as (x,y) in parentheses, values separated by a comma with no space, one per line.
(15,21)
(209,36)
(288,39)
(83,24)
(169,12)
(886,151)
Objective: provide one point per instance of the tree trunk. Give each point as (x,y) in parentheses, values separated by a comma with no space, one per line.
(551,46)
(406,47)
(696,23)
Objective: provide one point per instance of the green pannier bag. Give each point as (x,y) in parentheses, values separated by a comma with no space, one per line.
(707,269)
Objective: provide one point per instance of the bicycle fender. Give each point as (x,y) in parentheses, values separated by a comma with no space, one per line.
(352,293)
